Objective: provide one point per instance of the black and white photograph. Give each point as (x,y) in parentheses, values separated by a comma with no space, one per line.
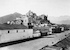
(34,24)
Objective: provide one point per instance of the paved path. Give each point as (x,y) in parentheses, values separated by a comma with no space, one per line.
(38,43)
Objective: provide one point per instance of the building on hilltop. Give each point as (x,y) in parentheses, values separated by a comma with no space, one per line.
(31,19)
(24,18)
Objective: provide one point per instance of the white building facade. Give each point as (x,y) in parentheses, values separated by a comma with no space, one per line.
(15,34)
(25,20)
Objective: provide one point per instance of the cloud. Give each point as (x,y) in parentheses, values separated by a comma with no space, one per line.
(49,7)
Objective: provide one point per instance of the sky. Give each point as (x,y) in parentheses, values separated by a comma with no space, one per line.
(54,8)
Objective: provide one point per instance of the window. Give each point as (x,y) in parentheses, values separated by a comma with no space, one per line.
(8,31)
(21,22)
(17,31)
(23,30)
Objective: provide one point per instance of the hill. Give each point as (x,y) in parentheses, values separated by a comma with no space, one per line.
(9,17)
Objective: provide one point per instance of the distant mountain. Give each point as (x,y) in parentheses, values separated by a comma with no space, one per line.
(60,20)
(9,17)
(64,19)
(53,19)
(65,22)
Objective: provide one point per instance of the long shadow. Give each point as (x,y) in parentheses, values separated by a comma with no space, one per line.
(18,41)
